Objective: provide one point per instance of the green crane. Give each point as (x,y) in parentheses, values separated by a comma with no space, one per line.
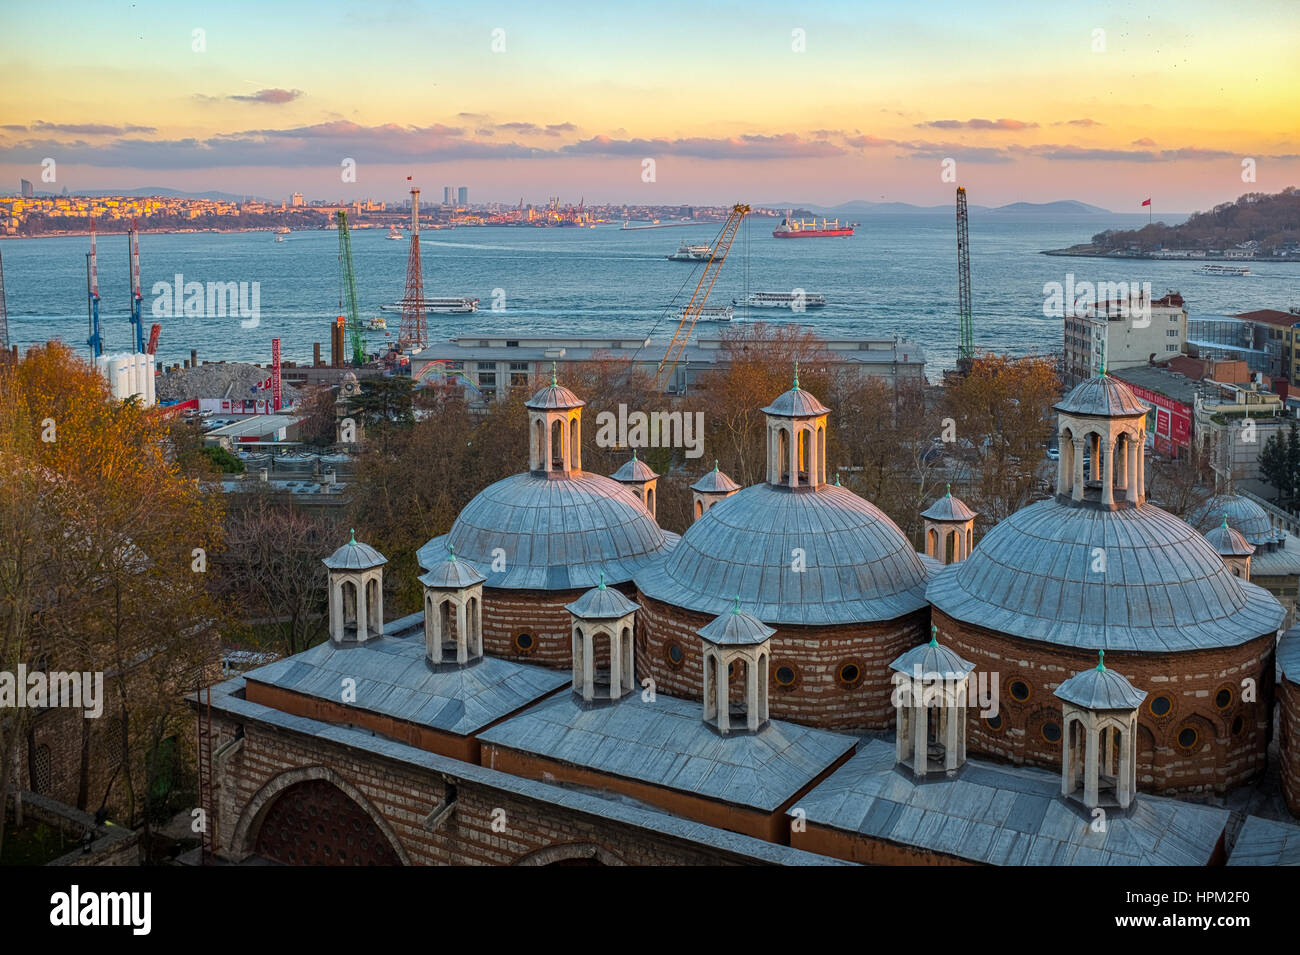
(349,288)
(966,336)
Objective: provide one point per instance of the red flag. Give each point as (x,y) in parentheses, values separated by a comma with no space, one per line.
(1146,202)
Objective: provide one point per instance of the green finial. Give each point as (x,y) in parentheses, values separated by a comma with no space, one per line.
(1225,521)
(796,376)
(837,478)
(934,635)
(554,381)
(634,454)
(949,493)
(736,608)
(1103,359)
(602,580)
(1101,660)
(715,465)
(352,533)
(452,550)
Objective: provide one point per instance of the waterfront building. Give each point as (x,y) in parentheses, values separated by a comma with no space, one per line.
(1114,333)
(582,687)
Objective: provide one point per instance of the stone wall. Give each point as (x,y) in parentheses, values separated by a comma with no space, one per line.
(1231,740)
(1289,742)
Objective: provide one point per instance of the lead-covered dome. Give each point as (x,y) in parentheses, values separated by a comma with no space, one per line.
(552,533)
(1131,579)
(856,564)
(1104,397)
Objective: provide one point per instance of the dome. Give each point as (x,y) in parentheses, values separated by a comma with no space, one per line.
(797,403)
(354,556)
(554,397)
(935,662)
(1100,689)
(1228,542)
(715,482)
(549,533)
(1243,515)
(452,574)
(1163,588)
(601,603)
(858,565)
(1103,396)
(634,471)
(735,628)
(949,508)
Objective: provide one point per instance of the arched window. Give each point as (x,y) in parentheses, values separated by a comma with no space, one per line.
(783,454)
(557,446)
(699,509)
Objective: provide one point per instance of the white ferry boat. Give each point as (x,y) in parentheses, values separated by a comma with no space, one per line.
(691,253)
(393,233)
(452,305)
(377,324)
(714,313)
(1212,268)
(785,300)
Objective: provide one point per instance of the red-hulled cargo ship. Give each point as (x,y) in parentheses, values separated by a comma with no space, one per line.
(792,229)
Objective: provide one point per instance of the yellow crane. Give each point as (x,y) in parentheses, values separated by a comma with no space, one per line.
(691,314)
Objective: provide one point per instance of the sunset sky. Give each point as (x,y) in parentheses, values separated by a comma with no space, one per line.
(271,97)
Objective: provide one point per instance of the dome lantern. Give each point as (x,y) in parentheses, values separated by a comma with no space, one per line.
(733,640)
(948,521)
(603,613)
(554,430)
(715,486)
(796,439)
(1101,430)
(1233,547)
(639,478)
(356,592)
(453,612)
(1099,711)
(931,688)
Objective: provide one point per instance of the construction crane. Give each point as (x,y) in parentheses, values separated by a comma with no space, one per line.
(349,289)
(137,303)
(691,314)
(95,342)
(152,348)
(413,333)
(966,325)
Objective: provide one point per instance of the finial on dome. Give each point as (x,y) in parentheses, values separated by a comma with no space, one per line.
(949,492)
(934,635)
(352,533)
(736,607)
(1225,520)
(554,379)
(451,549)
(837,478)
(715,465)
(796,375)
(602,580)
(1101,661)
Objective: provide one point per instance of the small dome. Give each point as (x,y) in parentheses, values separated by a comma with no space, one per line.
(797,403)
(1243,515)
(1100,689)
(554,397)
(1229,542)
(635,471)
(949,508)
(936,662)
(354,556)
(1103,397)
(715,482)
(601,603)
(452,574)
(735,628)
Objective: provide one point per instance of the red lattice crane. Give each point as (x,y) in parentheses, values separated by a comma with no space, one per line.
(414,332)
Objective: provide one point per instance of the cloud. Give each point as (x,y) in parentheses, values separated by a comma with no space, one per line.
(1192,152)
(997,124)
(780,146)
(1144,141)
(81,129)
(273,96)
(1079,122)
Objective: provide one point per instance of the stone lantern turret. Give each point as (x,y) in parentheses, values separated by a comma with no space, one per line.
(931,689)
(736,638)
(710,489)
(356,592)
(453,612)
(603,613)
(1099,710)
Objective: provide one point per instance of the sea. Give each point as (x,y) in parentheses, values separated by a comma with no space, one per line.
(897,276)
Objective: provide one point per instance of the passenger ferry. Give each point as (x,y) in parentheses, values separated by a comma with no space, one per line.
(1215,269)
(785,300)
(452,305)
(691,253)
(714,313)
(393,233)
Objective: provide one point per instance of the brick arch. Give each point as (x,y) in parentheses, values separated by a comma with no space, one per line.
(250,820)
(578,853)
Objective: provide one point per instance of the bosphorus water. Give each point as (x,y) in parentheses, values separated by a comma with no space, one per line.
(897,275)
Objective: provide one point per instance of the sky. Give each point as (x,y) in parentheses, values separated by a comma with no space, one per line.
(658,102)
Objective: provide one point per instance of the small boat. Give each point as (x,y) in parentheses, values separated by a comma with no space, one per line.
(1215,269)
(786,300)
(377,324)
(714,313)
(691,253)
(279,238)
(393,233)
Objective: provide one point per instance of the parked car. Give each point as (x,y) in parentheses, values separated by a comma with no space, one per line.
(1054,454)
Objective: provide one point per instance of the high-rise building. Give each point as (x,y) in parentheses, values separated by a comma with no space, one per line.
(28,192)
(296,199)
(462,196)
(446,195)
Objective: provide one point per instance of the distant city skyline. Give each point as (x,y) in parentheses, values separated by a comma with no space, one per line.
(674,103)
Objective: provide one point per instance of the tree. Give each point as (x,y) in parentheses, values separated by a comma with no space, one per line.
(1273,462)
(384,406)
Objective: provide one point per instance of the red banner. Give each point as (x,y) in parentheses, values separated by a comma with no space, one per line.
(275,373)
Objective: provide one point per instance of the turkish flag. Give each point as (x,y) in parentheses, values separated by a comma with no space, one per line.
(1146,202)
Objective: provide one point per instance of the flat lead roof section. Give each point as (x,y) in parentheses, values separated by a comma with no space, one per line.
(393,680)
(666,743)
(1266,842)
(225,700)
(1001,815)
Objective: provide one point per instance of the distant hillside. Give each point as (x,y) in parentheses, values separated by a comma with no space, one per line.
(155,191)
(1269,221)
(859,207)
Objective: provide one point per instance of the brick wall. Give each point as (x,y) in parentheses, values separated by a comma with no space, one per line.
(1231,741)
(489,827)
(1289,742)
(817,697)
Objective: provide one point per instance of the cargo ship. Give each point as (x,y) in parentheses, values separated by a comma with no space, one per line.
(798,229)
